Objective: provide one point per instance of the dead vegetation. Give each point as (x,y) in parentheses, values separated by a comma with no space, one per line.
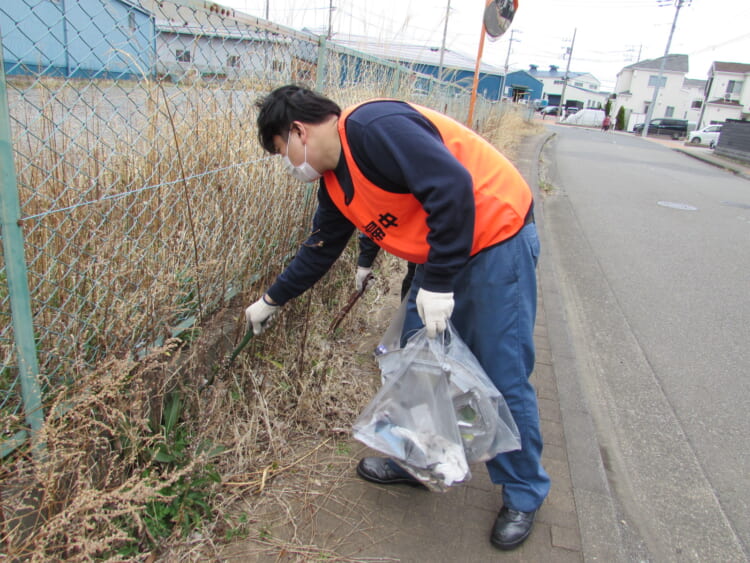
(507,130)
(175,457)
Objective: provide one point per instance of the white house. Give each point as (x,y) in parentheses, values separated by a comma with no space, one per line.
(635,89)
(693,90)
(727,93)
(582,89)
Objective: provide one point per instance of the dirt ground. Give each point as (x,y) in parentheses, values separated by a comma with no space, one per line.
(272,516)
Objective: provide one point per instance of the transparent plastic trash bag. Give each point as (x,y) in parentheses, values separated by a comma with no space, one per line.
(411,419)
(484,420)
(388,352)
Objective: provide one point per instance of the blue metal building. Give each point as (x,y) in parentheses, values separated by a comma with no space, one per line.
(65,38)
(520,85)
(456,68)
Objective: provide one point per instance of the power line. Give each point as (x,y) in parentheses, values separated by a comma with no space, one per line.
(722,44)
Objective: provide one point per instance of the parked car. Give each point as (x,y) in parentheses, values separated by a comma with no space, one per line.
(675,128)
(709,135)
(550,110)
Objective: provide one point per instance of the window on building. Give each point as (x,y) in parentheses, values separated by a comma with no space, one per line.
(669,111)
(697,104)
(579,84)
(559,82)
(233,61)
(183,55)
(277,65)
(734,87)
(653,80)
(646,106)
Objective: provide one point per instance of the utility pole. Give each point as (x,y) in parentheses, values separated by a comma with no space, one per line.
(507,58)
(565,79)
(652,105)
(706,92)
(442,47)
(330,18)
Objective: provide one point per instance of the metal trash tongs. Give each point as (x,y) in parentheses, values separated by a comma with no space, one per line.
(240,346)
(334,325)
(348,307)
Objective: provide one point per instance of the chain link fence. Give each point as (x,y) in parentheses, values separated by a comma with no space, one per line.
(136,199)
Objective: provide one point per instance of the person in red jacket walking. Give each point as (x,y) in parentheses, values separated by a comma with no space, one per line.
(431,191)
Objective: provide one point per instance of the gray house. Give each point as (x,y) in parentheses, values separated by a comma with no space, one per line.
(65,38)
(223,44)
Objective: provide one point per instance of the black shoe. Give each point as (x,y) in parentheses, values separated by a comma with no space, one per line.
(512,527)
(383,471)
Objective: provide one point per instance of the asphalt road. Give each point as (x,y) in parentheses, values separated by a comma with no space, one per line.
(651,250)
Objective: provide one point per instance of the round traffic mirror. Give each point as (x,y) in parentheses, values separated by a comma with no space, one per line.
(498,16)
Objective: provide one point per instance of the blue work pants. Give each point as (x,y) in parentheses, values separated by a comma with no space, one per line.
(495,310)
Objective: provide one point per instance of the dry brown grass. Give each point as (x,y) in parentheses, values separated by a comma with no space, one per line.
(289,400)
(508,129)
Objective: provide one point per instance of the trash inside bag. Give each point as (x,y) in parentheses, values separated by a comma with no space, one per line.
(388,351)
(485,423)
(411,419)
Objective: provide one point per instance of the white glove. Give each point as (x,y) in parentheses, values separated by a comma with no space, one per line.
(361,276)
(434,309)
(259,314)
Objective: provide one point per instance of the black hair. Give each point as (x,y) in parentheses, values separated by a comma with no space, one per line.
(287,104)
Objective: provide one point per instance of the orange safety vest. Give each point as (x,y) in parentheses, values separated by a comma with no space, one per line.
(398,223)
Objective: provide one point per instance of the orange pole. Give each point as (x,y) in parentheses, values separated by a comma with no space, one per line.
(476,72)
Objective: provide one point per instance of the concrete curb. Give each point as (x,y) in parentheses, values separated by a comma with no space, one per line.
(595,507)
(726,165)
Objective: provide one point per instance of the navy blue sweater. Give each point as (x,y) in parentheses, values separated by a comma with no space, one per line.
(399,150)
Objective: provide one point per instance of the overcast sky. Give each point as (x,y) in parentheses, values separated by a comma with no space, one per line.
(609,34)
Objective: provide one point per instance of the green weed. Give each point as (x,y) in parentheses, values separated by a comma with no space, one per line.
(181,506)
(238,531)
(343,448)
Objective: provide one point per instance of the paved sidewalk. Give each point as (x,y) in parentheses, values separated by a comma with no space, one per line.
(706,155)
(401,523)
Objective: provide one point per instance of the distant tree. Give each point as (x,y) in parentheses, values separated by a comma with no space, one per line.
(620,119)
(608,107)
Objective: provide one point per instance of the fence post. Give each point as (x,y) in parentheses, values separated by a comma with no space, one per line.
(396,85)
(322,64)
(15,269)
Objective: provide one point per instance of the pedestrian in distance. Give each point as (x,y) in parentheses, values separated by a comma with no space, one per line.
(606,123)
(433,192)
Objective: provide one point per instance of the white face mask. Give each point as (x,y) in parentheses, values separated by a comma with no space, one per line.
(304,172)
